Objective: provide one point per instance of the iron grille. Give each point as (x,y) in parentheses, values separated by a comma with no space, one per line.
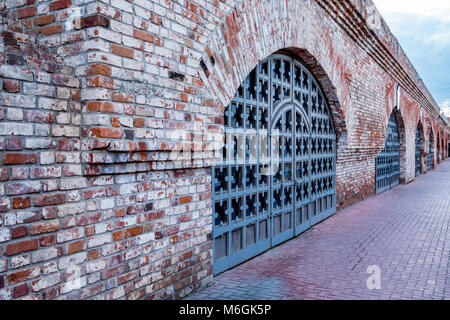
(277,176)
(418,137)
(388,161)
(430,148)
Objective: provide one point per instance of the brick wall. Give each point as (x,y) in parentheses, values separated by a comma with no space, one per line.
(96,199)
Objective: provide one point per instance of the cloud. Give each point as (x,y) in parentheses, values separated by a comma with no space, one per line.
(446,104)
(423,30)
(440,39)
(438,9)
(445,107)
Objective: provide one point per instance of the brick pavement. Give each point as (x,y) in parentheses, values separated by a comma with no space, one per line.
(405,231)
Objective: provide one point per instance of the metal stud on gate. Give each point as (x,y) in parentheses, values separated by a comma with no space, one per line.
(283,108)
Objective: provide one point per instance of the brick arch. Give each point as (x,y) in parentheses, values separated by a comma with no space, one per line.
(239,43)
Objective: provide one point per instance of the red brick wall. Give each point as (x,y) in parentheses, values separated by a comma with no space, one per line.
(93,97)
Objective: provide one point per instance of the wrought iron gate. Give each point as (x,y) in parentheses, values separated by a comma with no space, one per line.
(418,136)
(430,150)
(277,177)
(388,161)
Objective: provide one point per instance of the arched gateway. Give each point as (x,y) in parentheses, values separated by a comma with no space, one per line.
(388,161)
(418,150)
(277,177)
(430,150)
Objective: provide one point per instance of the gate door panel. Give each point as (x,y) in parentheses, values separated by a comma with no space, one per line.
(418,151)
(388,161)
(241,199)
(282,190)
(277,174)
(323,159)
(302,219)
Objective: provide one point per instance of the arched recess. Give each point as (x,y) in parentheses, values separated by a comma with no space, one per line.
(430,149)
(255,30)
(438,147)
(441,146)
(277,174)
(419,148)
(390,166)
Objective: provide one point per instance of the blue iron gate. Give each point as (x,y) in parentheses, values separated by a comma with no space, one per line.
(277,176)
(418,137)
(388,161)
(430,150)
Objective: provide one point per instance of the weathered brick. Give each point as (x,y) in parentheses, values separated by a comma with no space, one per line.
(134,231)
(106,133)
(14,144)
(52,104)
(50,30)
(19,158)
(46,254)
(40,144)
(23,275)
(20,73)
(91,21)
(99,69)
(11,86)
(45,227)
(45,172)
(4,174)
(71,209)
(27,12)
(105,107)
(44,20)
(142,35)
(46,241)
(69,235)
(99,240)
(106,274)
(20,290)
(17,188)
(19,173)
(46,282)
(74,247)
(39,116)
(59,4)
(185,199)
(16,129)
(21,246)
(72,260)
(122,51)
(73,183)
(21,202)
(65,131)
(21,217)
(49,200)
(5,235)
(93,254)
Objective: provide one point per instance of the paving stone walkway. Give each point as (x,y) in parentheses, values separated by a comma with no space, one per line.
(404,231)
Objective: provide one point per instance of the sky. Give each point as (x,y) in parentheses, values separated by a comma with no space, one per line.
(423,30)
